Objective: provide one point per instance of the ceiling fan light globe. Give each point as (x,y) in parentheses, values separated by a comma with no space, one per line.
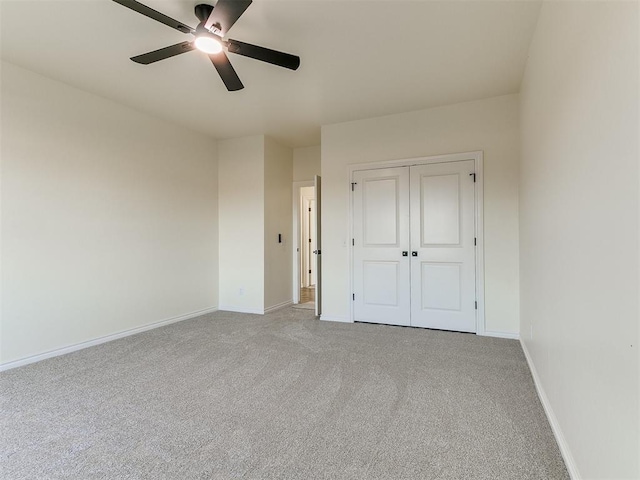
(208,44)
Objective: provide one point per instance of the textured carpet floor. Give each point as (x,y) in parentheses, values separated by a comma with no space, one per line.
(279,396)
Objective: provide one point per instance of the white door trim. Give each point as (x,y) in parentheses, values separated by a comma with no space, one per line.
(317,182)
(477,157)
(295,245)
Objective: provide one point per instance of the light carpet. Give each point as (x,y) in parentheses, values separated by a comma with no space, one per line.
(283,396)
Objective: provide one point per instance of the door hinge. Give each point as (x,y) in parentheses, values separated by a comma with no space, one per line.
(476,304)
(475,241)
(353,296)
(474,177)
(353,186)
(353,241)
(309,271)
(309,240)
(309,208)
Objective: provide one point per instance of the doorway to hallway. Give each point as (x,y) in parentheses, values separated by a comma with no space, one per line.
(306,247)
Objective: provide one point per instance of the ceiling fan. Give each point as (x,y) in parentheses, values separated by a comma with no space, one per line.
(214,24)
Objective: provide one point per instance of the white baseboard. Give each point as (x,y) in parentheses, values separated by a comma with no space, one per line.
(97,341)
(255,311)
(231,308)
(334,318)
(511,335)
(278,306)
(553,421)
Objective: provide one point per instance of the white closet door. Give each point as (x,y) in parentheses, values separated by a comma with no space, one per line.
(442,246)
(381,235)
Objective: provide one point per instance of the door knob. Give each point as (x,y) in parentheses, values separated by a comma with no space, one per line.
(414,254)
(405,253)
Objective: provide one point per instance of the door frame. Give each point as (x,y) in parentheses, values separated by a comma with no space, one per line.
(296,234)
(477,157)
(307,260)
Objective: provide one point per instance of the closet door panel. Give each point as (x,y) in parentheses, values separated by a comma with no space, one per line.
(381,234)
(442,245)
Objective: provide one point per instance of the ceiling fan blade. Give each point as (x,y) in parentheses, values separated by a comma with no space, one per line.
(274,57)
(225,14)
(166,52)
(155,15)
(226,71)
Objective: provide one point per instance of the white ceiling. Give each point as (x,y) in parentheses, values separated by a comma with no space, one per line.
(360,59)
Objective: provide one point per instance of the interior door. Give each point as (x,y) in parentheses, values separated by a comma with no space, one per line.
(381,246)
(312,241)
(442,246)
(318,251)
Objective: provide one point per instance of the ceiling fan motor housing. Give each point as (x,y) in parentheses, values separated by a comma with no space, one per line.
(203,11)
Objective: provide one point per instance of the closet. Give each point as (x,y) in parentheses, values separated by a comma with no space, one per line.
(414,246)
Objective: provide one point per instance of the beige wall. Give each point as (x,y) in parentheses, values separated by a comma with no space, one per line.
(490,125)
(579,230)
(278,214)
(306,163)
(255,192)
(241,216)
(109,217)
